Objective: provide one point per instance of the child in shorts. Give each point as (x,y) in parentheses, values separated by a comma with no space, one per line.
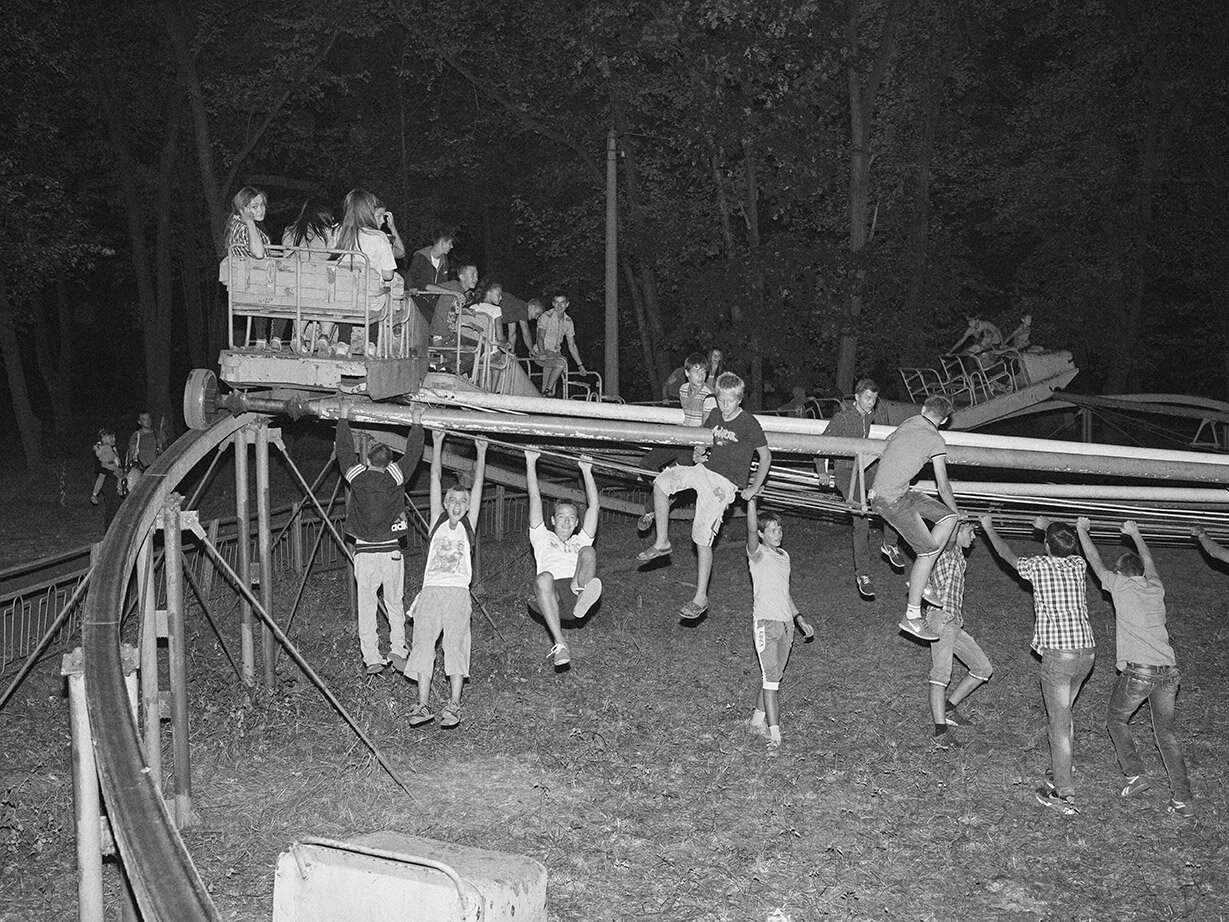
(444,605)
(773,609)
(717,477)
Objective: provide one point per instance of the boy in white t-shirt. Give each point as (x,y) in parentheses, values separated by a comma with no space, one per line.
(444,606)
(566,584)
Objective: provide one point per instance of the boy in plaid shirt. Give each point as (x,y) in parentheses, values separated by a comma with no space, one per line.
(947,577)
(1062,637)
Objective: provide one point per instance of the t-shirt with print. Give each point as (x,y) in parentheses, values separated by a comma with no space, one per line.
(734,443)
(553,328)
(1139,608)
(449,561)
(555,556)
(910,446)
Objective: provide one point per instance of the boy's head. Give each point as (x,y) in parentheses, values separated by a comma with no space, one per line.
(106,436)
(564,519)
(560,303)
(696,368)
(442,242)
(772,532)
(730,390)
(456,502)
(145,421)
(1129,563)
(379,455)
(938,407)
(467,275)
(962,537)
(535,307)
(865,395)
(1060,540)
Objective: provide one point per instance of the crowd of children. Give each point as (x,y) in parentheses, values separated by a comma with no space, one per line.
(115,474)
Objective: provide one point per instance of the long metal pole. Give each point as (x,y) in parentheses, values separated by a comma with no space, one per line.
(1037,457)
(176,632)
(243,555)
(1099,491)
(265,548)
(611,382)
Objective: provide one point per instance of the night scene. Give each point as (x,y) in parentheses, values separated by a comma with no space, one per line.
(696,461)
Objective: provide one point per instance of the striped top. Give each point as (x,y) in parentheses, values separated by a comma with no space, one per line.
(697,401)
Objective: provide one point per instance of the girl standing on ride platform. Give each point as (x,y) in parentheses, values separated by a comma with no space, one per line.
(246,239)
(360,230)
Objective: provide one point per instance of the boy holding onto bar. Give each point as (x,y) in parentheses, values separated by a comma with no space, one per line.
(566,585)
(773,611)
(443,606)
(1147,667)
(1062,637)
(717,477)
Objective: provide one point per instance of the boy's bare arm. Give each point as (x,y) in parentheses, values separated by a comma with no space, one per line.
(761,472)
(531,486)
(753,527)
(1095,563)
(1210,547)
(475,491)
(1001,547)
(939,463)
(575,353)
(1131,530)
(593,508)
(437,474)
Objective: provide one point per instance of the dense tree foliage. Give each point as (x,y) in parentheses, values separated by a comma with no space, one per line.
(824,189)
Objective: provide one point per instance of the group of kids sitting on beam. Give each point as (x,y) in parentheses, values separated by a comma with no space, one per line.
(441,292)
(566,586)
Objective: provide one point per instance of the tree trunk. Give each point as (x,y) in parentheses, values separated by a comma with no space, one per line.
(28,428)
(55,371)
(921,204)
(751,211)
(156,326)
(646,343)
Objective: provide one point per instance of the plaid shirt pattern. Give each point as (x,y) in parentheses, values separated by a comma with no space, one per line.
(948,578)
(1059,601)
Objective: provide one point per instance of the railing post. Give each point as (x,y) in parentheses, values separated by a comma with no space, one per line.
(297,512)
(151,701)
(264,544)
(500,522)
(87,803)
(172,559)
(243,555)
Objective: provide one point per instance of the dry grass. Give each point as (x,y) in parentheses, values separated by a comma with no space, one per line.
(631,778)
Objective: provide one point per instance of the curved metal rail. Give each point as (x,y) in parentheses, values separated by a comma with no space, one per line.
(164,880)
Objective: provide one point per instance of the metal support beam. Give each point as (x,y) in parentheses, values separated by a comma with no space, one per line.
(264,546)
(243,555)
(172,565)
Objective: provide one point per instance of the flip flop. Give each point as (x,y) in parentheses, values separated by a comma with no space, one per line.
(587,598)
(652,553)
(692,612)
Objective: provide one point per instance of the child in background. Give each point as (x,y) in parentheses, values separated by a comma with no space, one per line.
(948,622)
(1063,638)
(444,605)
(1146,664)
(773,610)
(717,477)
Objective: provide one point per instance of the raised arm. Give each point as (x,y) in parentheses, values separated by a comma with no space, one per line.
(413,445)
(1210,547)
(531,486)
(437,475)
(346,456)
(593,507)
(761,472)
(1001,547)
(1095,563)
(753,528)
(1131,529)
(475,492)
(939,463)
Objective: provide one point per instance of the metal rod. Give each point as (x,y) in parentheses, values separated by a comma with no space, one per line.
(200,487)
(1149,493)
(294,607)
(265,549)
(176,633)
(226,651)
(243,555)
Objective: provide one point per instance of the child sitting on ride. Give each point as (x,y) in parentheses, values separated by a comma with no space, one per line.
(981,336)
(360,230)
(313,231)
(246,239)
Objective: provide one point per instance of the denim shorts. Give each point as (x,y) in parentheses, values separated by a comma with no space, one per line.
(909,514)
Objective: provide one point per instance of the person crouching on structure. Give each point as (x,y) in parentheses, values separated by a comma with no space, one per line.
(566,585)
(376,520)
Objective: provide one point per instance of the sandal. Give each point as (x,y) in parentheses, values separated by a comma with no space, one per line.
(692,612)
(450,715)
(652,553)
(420,715)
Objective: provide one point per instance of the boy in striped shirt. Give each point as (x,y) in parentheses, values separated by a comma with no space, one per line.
(1062,636)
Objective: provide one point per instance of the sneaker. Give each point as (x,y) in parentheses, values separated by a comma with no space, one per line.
(917,627)
(1181,809)
(1050,798)
(370,351)
(893,555)
(645,522)
(954,718)
(261,344)
(773,748)
(374,668)
(341,350)
(866,588)
(1135,784)
(587,598)
(945,740)
(559,653)
(420,715)
(275,344)
(759,729)
(397,662)
(450,715)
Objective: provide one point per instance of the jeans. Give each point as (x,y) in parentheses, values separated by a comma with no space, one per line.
(1159,684)
(863,550)
(954,641)
(1062,674)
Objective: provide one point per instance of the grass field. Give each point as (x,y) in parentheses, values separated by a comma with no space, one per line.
(632,776)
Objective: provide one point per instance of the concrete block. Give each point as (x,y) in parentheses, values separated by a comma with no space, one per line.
(390,876)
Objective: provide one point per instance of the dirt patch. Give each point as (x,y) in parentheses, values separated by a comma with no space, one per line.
(633,780)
